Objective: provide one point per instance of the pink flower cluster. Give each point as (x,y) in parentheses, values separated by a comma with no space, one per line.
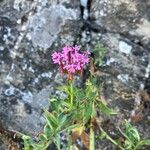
(70,60)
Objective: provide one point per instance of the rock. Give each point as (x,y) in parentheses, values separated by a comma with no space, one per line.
(46,25)
(2,146)
(27,39)
(31,30)
(123,77)
(125,17)
(124,47)
(84,4)
(124,28)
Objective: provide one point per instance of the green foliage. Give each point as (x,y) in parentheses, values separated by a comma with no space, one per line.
(106,110)
(131,136)
(132,140)
(27,142)
(76,116)
(99,53)
(78,109)
(57,122)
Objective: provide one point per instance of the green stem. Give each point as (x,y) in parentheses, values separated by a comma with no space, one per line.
(111,140)
(69,142)
(71,93)
(92,141)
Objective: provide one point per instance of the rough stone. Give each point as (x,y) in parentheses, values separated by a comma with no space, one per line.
(26,41)
(129,18)
(2,146)
(124,47)
(46,25)
(31,30)
(124,28)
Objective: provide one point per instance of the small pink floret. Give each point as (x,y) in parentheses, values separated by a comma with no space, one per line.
(56,58)
(70,60)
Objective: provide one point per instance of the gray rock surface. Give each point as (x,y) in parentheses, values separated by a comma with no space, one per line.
(2,146)
(31,30)
(27,75)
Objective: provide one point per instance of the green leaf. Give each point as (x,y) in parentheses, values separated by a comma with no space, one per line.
(102,135)
(51,100)
(103,107)
(62,121)
(87,113)
(27,142)
(91,91)
(143,143)
(132,132)
(80,94)
(132,138)
(99,52)
(67,104)
(42,137)
(51,120)
(73,126)
(128,145)
(124,134)
(47,131)
(57,141)
(64,88)
(41,146)
(51,117)
(55,104)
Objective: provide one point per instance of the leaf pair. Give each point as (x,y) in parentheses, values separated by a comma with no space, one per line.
(99,53)
(132,138)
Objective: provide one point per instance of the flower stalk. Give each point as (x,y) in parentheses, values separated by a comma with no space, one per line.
(71,94)
(92,140)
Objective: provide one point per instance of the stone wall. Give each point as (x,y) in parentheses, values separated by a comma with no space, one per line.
(30,30)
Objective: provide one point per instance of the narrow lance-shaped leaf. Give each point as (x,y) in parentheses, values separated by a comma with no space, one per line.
(27,142)
(132,132)
(47,131)
(143,143)
(51,117)
(57,141)
(103,107)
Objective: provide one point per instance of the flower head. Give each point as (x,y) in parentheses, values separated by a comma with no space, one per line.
(70,60)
